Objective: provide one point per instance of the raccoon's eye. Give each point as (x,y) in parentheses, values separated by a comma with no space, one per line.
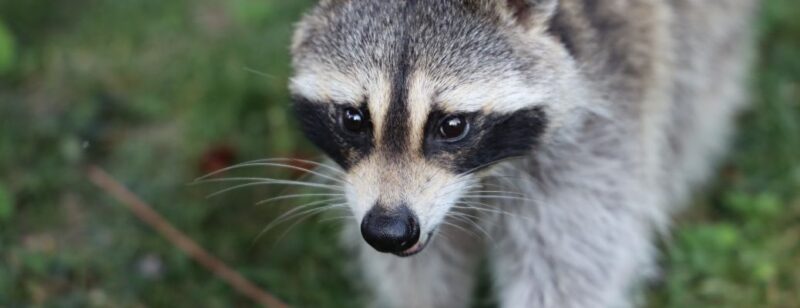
(353,120)
(453,128)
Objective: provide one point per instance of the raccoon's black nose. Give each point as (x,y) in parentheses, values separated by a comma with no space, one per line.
(390,230)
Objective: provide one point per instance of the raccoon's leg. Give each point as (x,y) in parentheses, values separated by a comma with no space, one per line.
(572,247)
(442,275)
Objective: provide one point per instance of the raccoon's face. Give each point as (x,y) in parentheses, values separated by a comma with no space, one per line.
(413,99)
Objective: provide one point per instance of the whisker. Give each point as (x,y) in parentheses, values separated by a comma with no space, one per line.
(256,162)
(498,192)
(468,232)
(477,203)
(308,214)
(320,174)
(472,201)
(302,178)
(296,196)
(299,160)
(257,179)
(475,217)
(293,213)
(205,179)
(465,206)
(452,186)
(497,197)
(444,235)
(337,218)
(459,216)
(257,72)
(489,164)
(491,185)
(270,182)
(504,176)
(287,215)
(461,205)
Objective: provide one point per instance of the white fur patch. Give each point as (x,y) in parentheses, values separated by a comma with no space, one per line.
(327,85)
(504,94)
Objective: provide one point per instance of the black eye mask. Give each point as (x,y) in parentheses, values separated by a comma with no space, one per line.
(491,137)
(322,125)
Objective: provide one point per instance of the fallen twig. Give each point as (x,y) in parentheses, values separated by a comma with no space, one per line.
(146,213)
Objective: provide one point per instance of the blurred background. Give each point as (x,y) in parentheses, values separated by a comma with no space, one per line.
(162,92)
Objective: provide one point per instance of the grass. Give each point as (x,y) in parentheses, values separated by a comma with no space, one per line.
(161,92)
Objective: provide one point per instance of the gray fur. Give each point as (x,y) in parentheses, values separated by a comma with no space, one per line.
(641,94)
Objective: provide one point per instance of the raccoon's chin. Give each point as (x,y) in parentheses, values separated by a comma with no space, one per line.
(417,248)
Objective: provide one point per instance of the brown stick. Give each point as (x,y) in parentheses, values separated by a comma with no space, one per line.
(146,213)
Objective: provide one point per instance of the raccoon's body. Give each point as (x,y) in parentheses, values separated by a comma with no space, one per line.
(554,137)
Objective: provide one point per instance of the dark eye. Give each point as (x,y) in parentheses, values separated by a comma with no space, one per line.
(353,120)
(453,128)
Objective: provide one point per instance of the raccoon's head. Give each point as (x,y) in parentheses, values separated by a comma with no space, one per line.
(414,99)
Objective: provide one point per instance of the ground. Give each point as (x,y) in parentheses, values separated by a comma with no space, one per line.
(161,92)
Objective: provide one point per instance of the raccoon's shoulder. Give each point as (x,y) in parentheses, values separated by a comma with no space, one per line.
(621,42)
(634,44)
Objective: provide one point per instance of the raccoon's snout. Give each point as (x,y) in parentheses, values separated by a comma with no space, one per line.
(393,230)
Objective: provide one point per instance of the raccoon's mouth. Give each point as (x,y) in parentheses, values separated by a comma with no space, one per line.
(417,248)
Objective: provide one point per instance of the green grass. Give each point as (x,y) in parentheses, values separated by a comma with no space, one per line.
(151,90)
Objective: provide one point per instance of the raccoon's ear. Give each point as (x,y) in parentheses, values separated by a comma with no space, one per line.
(531,14)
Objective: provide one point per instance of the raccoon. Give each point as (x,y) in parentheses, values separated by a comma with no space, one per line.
(554,138)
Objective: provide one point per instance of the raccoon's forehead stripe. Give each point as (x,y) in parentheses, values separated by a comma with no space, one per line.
(394,137)
(395,132)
